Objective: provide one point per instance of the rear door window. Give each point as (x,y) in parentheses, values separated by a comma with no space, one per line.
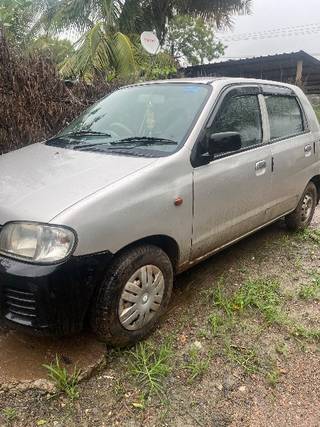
(285,116)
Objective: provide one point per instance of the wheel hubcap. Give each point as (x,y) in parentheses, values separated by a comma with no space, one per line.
(306,208)
(141,297)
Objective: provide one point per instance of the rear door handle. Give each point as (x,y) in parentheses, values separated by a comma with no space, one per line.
(261,165)
(307,150)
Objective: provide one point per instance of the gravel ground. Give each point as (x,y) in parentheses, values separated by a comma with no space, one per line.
(256,369)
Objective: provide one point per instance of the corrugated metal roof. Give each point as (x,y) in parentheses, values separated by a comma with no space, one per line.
(280,67)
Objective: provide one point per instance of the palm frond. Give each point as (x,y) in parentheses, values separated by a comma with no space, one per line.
(100,52)
(124,53)
(218,11)
(93,55)
(66,15)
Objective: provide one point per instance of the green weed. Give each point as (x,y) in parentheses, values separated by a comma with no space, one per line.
(310,334)
(282,348)
(150,365)
(196,365)
(119,389)
(260,294)
(216,322)
(310,234)
(247,358)
(311,290)
(65,382)
(9,414)
(273,377)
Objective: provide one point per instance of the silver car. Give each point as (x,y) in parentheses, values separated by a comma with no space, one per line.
(152,179)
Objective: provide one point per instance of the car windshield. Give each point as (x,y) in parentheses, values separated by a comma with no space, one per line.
(152,119)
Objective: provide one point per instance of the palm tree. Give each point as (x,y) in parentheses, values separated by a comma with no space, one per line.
(154,14)
(105,27)
(101,45)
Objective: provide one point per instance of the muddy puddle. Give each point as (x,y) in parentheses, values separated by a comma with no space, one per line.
(22,356)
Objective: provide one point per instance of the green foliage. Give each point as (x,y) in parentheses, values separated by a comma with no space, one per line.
(139,15)
(15,18)
(317,111)
(196,364)
(260,294)
(108,28)
(216,322)
(58,50)
(191,40)
(247,358)
(150,365)
(310,234)
(160,66)
(101,52)
(311,291)
(273,377)
(9,414)
(65,382)
(310,334)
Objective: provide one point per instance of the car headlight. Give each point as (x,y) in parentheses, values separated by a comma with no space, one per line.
(35,242)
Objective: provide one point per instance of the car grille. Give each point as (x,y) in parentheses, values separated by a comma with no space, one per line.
(20,305)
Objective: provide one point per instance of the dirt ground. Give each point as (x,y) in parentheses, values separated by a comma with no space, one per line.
(239,347)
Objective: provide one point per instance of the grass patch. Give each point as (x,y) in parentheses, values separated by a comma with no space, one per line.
(273,377)
(311,291)
(261,294)
(216,323)
(310,334)
(196,364)
(150,365)
(246,358)
(310,234)
(9,414)
(65,382)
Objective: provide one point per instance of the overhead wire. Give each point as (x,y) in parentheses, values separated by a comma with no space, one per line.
(290,31)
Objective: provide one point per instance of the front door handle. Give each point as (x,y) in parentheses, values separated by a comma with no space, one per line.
(261,165)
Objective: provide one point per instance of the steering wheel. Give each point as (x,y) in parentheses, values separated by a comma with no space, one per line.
(122,128)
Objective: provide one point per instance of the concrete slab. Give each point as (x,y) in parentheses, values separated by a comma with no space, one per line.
(22,356)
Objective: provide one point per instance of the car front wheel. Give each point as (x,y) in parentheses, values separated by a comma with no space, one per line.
(135,293)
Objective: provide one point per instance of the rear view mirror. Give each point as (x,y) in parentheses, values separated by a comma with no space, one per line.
(224,142)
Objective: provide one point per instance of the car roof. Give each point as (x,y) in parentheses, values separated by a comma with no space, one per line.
(221,80)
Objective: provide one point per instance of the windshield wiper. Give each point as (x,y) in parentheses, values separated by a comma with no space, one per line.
(84,133)
(145,140)
(127,143)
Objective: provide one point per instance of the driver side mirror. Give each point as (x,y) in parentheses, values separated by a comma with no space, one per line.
(224,142)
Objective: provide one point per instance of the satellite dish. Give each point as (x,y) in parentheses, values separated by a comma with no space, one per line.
(150,42)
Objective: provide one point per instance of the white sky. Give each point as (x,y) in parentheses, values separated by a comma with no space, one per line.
(275,14)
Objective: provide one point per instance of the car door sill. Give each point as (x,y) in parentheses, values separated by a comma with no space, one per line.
(189,264)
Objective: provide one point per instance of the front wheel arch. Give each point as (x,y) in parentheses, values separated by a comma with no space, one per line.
(164,242)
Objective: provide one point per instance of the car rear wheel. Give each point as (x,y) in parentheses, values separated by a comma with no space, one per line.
(135,293)
(302,216)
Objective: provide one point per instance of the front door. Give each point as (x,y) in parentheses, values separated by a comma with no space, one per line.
(232,191)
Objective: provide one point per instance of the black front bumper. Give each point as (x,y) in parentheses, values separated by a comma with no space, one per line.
(52,300)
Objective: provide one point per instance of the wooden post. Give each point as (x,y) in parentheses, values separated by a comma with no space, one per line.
(299,81)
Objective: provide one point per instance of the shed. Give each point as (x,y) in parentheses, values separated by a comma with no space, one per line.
(298,68)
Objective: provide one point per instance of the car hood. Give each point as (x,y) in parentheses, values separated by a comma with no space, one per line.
(39,181)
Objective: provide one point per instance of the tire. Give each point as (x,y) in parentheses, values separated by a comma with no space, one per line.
(302,216)
(121,316)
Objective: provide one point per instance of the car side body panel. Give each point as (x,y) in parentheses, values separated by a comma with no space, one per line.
(136,208)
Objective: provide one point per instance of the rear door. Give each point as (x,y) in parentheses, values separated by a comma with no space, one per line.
(232,191)
(292,148)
